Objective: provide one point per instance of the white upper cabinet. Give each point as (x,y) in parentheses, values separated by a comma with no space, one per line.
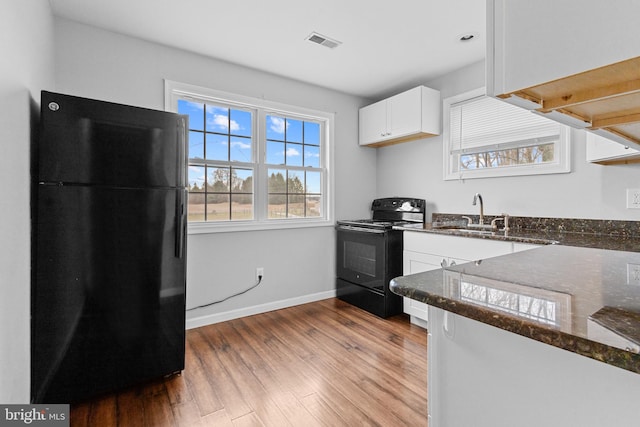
(604,151)
(409,115)
(575,61)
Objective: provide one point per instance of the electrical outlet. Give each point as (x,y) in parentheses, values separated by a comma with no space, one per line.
(633,198)
(259,273)
(633,274)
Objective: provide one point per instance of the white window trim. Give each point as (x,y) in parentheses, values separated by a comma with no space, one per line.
(176,90)
(561,165)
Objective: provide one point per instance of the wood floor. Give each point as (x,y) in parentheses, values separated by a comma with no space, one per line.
(325,363)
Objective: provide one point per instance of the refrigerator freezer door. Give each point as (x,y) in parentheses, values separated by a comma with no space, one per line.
(108,305)
(86,141)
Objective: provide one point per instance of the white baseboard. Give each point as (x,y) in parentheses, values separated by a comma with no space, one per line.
(210,319)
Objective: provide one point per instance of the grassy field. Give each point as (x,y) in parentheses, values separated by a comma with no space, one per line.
(244,211)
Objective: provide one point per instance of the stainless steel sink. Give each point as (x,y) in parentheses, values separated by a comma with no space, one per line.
(476,231)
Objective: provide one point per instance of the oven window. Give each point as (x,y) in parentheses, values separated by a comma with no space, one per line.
(360,257)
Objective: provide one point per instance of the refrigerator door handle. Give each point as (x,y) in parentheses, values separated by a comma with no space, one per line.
(181,197)
(182,152)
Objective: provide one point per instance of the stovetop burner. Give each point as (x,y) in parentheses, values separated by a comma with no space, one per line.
(390,212)
(373,223)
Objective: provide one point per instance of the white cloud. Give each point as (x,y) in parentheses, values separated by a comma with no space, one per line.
(222,121)
(277,124)
(292,152)
(240,144)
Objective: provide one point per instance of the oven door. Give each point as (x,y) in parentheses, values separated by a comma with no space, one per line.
(361,256)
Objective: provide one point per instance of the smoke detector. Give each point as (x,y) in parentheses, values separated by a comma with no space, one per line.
(323,40)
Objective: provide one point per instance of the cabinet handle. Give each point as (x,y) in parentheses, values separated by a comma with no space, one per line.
(443,264)
(452,263)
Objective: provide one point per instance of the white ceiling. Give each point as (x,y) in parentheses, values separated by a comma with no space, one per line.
(387,46)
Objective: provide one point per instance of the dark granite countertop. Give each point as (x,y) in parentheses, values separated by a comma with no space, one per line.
(584,300)
(602,234)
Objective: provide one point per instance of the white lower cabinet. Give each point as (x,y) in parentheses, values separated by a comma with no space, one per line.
(424,252)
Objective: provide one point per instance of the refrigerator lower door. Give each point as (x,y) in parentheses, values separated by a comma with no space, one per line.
(108,299)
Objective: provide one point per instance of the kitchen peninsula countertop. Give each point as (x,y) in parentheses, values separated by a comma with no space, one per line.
(584,300)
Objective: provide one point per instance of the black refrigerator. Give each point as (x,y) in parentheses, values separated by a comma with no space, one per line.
(108,247)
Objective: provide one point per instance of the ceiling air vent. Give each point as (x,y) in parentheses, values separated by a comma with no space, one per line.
(323,41)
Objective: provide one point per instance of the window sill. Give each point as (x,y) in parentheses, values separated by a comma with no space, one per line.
(207,228)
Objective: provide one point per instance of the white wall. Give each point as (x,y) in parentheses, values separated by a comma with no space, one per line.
(593,191)
(299,264)
(26,67)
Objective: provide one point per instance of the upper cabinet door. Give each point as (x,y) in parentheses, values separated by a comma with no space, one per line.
(573,61)
(404,113)
(373,122)
(404,117)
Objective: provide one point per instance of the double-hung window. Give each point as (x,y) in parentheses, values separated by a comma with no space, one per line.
(486,137)
(253,164)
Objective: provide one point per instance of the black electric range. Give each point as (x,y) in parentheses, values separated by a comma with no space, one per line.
(369,254)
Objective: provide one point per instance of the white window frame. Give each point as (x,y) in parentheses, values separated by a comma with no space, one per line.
(177,90)
(562,151)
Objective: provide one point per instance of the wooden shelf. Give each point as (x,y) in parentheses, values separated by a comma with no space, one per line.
(606,98)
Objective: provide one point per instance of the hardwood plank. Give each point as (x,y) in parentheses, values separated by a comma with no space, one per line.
(157,408)
(222,384)
(103,412)
(130,408)
(334,362)
(79,415)
(243,378)
(217,419)
(322,410)
(199,375)
(371,384)
(325,363)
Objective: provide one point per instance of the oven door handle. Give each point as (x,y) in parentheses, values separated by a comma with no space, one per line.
(360,229)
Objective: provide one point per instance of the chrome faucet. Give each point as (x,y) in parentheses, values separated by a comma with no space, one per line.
(477,197)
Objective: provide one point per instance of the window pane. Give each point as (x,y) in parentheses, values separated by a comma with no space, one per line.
(218,207)
(242,180)
(277,208)
(195,111)
(218,180)
(275,153)
(275,128)
(196,207)
(312,133)
(217,147)
(295,182)
(294,155)
(241,150)
(296,206)
(196,178)
(240,123)
(294,130)
(313,182)
(241,206)
(314,206)
(217,119)
(196,145)
(508,157)
(277,182)
(312,156)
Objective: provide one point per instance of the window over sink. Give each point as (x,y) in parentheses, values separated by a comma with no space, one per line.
(485,137)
